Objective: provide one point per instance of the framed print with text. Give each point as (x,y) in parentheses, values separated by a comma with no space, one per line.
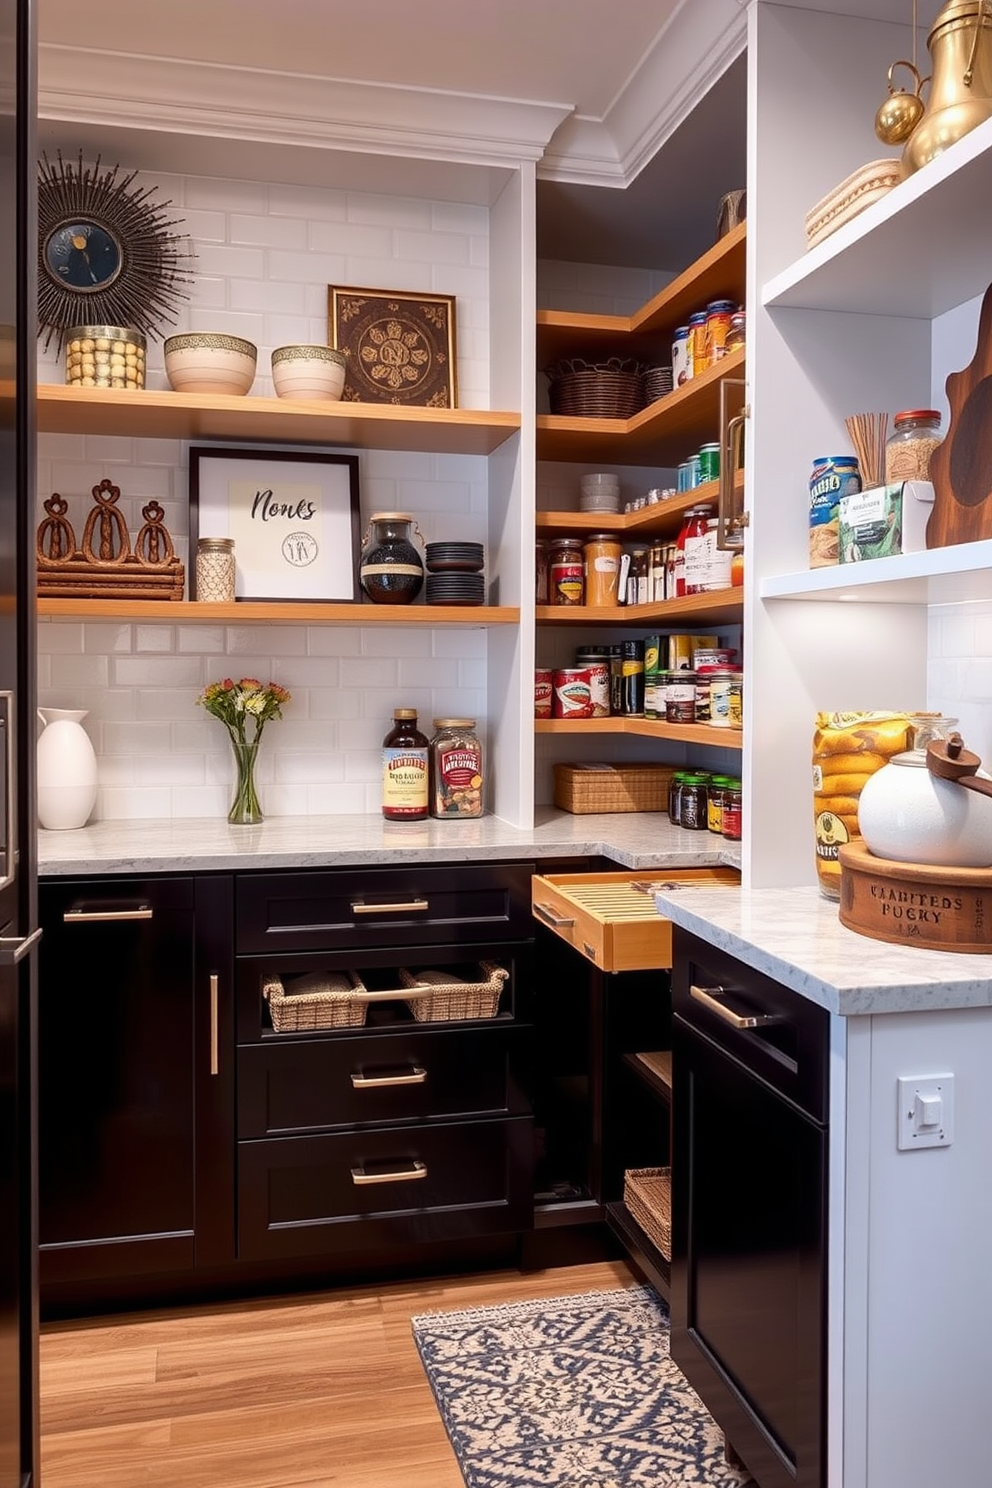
(294,518)
(400,347)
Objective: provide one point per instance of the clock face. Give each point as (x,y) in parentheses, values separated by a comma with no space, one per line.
(83,256)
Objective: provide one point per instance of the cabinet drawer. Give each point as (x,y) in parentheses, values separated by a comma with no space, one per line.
(381,1078)
(369,1190)
(406,906)
(611,917)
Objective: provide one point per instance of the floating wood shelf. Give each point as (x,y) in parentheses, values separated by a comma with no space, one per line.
(278,612)
(645,728)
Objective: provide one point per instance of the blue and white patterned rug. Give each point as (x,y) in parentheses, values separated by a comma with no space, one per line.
(570,1392)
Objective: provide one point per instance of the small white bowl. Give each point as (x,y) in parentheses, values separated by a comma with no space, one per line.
(591,485)
(308,372)
(209,362)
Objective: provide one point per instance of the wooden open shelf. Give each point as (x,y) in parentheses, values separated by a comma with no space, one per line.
(719,606)
(644,728)
(149,414)
(277,612)
(654,1066)
(663,519)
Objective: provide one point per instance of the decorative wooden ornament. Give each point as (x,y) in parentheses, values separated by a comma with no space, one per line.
(961,466)
(105,566)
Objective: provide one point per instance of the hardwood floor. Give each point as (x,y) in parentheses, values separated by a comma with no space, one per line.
(307,1391)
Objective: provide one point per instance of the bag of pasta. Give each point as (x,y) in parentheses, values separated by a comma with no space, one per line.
(847,749)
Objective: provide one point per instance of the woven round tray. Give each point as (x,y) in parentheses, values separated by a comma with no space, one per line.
(610,389)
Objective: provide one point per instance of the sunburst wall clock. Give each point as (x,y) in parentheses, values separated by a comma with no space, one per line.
(107,255)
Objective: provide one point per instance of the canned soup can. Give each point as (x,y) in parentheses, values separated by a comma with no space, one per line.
(542,692)
(572,693)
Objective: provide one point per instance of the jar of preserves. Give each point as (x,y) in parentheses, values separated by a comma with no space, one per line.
(405,769)
(601,554)
(915,436)
(566,572)
(456,776)
(692,546)
(674,795)
(732,812)
(719,785)
(693,803)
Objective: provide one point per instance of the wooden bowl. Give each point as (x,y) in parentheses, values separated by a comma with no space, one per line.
(915,904)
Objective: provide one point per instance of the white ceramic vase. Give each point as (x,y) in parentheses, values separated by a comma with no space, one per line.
(66,770)
(911,816)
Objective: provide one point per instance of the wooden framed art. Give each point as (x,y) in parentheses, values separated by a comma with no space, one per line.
(294,518)
(400,347)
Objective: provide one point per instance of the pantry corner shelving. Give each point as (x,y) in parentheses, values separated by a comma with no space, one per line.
(645,728)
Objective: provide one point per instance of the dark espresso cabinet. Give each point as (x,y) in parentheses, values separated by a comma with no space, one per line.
(135,1077)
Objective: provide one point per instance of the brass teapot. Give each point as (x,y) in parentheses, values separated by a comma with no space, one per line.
(960,45)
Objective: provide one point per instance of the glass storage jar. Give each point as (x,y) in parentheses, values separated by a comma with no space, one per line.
(915,436)
(215,569)
(456,777)
(392,570)
(566,572)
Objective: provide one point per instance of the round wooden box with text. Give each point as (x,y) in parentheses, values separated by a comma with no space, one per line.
(915,904)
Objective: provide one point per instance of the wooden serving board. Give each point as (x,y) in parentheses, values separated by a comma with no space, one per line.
(611,918)
(915,904)
(961,466)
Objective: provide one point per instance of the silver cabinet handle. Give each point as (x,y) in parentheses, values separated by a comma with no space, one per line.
(359,1175)
(729,521)
(551,916)
(415,1076)
(709,997)
(8,790)
(214,1023)
(14,948)
(90,916)
(359,907)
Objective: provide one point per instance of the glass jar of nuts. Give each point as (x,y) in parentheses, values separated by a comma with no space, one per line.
(104,356)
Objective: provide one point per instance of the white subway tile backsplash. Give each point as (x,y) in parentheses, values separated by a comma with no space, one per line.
(215,193)
(433,247)
(268,296)
(311,202)
(388,211)
(266,231)
(74,677)
(155,672)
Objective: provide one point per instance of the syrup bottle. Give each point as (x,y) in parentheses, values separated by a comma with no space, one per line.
(405,771)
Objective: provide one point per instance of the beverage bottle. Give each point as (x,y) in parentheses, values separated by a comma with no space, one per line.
(405,769)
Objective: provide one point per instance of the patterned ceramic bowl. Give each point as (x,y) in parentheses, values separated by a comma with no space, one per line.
(209,362)
(308,371)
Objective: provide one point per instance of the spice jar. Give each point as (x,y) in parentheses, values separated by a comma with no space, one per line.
(215,570)
(915,436)
(405,769)
(456,775)
(602,563)
(566,572)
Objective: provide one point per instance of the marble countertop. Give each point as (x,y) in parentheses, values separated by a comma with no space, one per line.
(630,839)
(795,936)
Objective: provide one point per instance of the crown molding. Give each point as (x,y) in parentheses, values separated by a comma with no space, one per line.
(140,93)
(688,57)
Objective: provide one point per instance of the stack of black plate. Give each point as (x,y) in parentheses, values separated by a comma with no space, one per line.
(454,573)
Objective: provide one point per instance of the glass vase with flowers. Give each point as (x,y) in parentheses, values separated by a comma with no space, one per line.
(244,708)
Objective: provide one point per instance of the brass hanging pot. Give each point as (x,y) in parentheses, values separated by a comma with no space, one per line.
(960,45)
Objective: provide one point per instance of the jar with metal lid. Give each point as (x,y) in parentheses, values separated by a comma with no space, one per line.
(736,331)
(714,804)
(456,776)
(732,808)
(596,660)
(601,553)
(680,697)
(566,571)
(915,436)
(693,799)
(674,795)
(215,570)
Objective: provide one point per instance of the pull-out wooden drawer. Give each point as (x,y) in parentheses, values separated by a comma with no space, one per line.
(611,917)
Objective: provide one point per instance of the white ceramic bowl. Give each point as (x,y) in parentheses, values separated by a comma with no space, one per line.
(598,481)
(209,362)
(308,371)
(606,501)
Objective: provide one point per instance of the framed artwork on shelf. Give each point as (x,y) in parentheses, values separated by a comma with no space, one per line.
(400,347)
(294,518)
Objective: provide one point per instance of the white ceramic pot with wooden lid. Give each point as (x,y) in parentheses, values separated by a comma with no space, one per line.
(911,815)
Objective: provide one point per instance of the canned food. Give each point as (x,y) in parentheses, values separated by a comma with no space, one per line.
(542,692)
(681,367)
(720,698)
(718,317)
(680,698)
(597,663)
(709,462)
(571,693)
(697,342)
(736,702)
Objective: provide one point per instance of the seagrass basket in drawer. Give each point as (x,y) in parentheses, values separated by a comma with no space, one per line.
(647,1193)
(440,995)
(321,999)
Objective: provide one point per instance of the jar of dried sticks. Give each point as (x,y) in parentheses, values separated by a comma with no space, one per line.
(868,434)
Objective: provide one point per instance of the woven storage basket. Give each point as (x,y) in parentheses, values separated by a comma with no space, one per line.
(323,999)
(580,389)
(582,789)
(647,1192)
(452,997)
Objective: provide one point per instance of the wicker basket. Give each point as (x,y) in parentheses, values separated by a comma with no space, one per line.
(611,389)
(322,999)
(583,789)
(647,1193)
(453,997)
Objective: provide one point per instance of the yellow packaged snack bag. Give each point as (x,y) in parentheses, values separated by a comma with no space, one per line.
(847,749)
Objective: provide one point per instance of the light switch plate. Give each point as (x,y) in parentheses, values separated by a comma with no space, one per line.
(925,1112)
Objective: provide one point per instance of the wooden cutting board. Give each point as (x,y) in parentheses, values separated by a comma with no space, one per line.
(961,466)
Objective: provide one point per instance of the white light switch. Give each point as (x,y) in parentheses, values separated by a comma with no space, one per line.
(925,1111)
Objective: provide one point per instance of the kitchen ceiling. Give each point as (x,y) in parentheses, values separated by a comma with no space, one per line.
(606,193)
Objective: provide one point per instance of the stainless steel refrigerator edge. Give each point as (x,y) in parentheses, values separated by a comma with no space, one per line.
(18,876)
